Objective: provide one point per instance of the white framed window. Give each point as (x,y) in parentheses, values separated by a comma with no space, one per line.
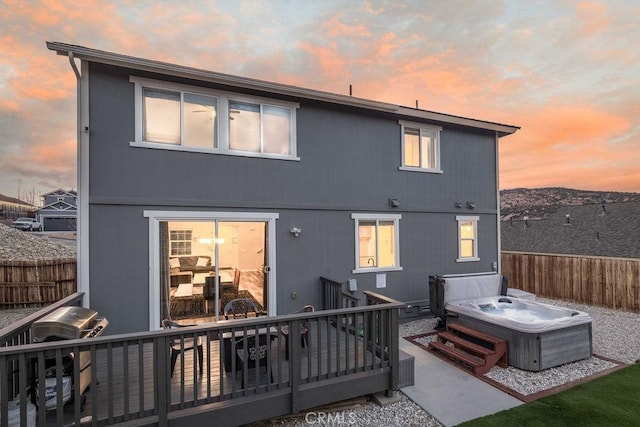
(180,117)
(420,147)
(376,242)
(259,128)
(180,242)
(467,238)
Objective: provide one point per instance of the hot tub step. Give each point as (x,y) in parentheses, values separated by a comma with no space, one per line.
(473,349)
(458,355)
(458,329)
(467,346)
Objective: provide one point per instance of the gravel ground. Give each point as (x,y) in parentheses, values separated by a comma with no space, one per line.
(24,246)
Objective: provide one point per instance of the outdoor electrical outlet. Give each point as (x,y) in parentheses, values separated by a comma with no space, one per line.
(293,294)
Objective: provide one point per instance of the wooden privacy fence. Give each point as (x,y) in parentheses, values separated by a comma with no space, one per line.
(606,282)
(36,283)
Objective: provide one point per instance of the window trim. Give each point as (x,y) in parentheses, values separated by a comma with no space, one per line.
(357,217)
(474,219)
(436,143)
(222,128)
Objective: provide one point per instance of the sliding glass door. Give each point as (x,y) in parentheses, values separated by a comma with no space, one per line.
(203,263)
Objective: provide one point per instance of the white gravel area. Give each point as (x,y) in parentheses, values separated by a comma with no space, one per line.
(25,246)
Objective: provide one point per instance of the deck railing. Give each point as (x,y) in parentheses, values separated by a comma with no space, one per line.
(334,297)
(129,376)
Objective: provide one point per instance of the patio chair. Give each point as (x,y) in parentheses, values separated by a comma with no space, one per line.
(304,331)
(179,346)
(253,353)
(239,308)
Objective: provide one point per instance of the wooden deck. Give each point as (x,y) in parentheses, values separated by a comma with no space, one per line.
(352,352)
(134,388)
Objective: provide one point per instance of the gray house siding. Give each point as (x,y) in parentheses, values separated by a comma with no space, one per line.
(349,161)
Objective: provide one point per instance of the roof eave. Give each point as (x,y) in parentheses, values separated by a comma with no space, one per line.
(94,55)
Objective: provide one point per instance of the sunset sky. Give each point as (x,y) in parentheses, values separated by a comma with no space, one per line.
(566,72)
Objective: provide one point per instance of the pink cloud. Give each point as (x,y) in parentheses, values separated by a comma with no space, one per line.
(594,18)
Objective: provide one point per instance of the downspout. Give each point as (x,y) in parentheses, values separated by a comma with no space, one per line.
(498,230)
(82,235)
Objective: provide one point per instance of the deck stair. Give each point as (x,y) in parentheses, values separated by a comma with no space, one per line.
(472,349)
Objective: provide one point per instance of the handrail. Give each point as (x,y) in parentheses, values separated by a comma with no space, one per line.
(334,297)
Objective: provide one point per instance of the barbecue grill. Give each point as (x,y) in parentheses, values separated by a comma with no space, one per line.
(67,323)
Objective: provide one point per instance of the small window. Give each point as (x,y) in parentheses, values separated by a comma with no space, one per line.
(180,242)
(376,242)
(420,147)
(467,238)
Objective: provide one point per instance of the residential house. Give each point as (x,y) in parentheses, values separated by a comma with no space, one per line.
(12,208)
(602,230)
(187,174)
(59,210)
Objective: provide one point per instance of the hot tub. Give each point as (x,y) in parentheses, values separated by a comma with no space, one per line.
(539,336)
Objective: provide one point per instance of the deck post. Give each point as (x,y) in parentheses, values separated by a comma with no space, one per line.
(394,348)
(161,348)
(294,364)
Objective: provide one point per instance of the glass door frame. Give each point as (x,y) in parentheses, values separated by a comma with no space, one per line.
(157,216)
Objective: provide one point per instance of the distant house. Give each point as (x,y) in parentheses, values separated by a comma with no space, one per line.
(59,211)
(187,174)
(604,230)
(12,208)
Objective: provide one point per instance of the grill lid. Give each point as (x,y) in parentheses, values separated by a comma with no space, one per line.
(63,323)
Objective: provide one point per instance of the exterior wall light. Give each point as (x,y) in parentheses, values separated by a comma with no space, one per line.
(394,203)
(295,231)
(471,205)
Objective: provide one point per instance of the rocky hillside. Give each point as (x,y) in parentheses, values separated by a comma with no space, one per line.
(538,203)
(24,246)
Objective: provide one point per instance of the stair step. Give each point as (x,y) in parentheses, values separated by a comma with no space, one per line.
(473,333)
(467,345)
(473,361)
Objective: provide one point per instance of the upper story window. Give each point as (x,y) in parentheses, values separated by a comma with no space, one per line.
(420,147)
(467,238)
(180,117)
(377,242)
(259,128)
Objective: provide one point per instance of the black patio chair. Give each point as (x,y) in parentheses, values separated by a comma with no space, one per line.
(239,308)
(253,353)
(304,331)
(179,346)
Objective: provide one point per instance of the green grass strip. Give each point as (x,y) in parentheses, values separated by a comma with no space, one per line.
(612,400)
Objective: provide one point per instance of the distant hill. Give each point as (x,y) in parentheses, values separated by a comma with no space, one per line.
(538,203)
